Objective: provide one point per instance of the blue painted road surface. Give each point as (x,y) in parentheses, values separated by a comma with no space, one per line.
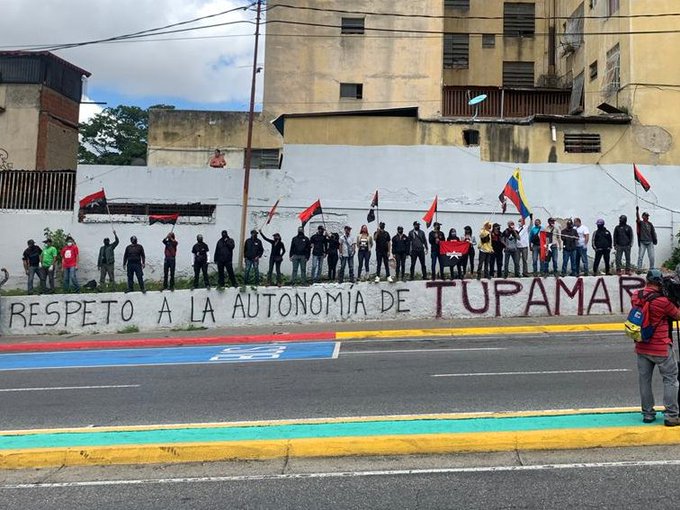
(171,356)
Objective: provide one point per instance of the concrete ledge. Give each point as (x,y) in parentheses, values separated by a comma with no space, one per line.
(361,436)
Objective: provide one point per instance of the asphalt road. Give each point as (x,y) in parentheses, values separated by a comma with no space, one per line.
(368,378)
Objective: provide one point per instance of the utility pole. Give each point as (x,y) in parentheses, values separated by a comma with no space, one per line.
(249,143)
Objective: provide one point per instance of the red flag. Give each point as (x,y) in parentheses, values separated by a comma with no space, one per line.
(94,200)
(311,211)
(272,211)
(543,237)
(165,219)
(450,252)
(640,178)
(430,213)
(374,202)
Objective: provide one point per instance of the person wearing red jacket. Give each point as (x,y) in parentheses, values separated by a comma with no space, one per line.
(658,351)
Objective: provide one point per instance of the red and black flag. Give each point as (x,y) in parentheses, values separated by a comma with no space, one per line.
(97,199)
(639,178)
(451,252)
(310,212)
(165,219)
(370,217)
(429,215)
(272,211)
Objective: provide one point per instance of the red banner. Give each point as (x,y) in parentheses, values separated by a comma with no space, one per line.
(450,252)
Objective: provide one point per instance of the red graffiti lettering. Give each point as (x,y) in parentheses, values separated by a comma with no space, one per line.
(577,289)
(628,284)
(504,288)
(604,300)
(439,286)
(466,298)
(537,282)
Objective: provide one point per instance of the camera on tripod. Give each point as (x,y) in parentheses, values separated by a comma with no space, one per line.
(670,286)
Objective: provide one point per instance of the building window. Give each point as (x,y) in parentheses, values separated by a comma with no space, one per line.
(518,74)
(519,19)
(593,71)
(581,143)
(352,26)
(612,82)
(576,100)
(573,33)
(456,51)
(264,158)
(488,40)
(463,5)
(471,137)
(612,7)
(203,213)
(351,90)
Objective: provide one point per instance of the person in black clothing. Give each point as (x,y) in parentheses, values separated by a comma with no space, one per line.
(497,255)
(382,251)
(470,255)
(135,260)
(31,260)
(623,241)
(453,236)
(275,257)
(332,254)
(200,251)
(169,260)
(569,238)
(300,250)
(435,237)
(252,252)
(418,245)
(319,248)
(224,254)
(602,244)
(401,246)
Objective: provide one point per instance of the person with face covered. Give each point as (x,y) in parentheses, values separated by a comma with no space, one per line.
(418,244)
(169,261)
(623,241)
(252,252)
(436,236)
(401,247)
(453,236)
(106,260)
(224,255)
(569,240)
(135,261)
(200,252)
(300,251)
(275,257)
(333,253)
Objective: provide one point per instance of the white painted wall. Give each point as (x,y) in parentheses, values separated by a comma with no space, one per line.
(323,304)
(344,178)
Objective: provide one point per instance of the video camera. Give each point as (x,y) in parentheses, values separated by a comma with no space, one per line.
(670,286)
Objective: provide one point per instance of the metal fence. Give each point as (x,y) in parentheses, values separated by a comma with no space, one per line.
(45,190)
(505,103)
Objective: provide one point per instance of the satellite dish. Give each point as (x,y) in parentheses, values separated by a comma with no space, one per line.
(476,101)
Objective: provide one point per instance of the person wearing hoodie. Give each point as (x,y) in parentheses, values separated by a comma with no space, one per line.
(332,257)
(535,243)
(401,247)
(252,252)
(435,237)
(200,253)
(134,259)
(364,247)
(510,238)
(453,236)
(319,250)
(623,242)
(383,247)
(299,253)
(106,260)
(418,245)
(224,255)
(602,244)
(485,250)
(275,257)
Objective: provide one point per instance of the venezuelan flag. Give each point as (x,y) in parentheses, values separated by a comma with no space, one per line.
(514,191)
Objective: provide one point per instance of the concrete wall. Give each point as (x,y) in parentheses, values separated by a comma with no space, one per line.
(106,313)
(19,124)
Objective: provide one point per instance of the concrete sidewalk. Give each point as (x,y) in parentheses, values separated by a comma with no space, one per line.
(333,331)
(333,437)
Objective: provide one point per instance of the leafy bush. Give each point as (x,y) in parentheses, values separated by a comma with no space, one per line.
(673,262)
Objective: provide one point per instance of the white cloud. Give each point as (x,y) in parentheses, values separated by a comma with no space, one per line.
(87,111)
(201,70)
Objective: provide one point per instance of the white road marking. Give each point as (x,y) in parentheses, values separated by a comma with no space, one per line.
(346,474)
(336,350)
(400,351)
(62,388)
(544,372)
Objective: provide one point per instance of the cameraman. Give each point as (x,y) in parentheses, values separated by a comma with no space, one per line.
(658,351)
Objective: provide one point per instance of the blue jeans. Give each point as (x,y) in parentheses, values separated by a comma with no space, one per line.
(317,265)
(535,258)
(71,279)
(252,265)
(346,261)
(553,257)
(364,257)
(299,262)
(569,256)
(582,258)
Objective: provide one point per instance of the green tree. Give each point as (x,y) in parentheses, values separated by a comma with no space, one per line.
(115,136)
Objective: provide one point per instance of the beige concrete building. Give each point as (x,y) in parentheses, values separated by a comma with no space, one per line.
(39,106)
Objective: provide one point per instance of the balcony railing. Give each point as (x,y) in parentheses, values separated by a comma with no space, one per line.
(505,103)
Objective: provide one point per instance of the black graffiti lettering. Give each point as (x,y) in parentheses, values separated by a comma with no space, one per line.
(386,294)
(401,300)
(335,299)
(87,312)
(290,305)
(238,305)
(71,312)
(269,303)
(301,302)
(108,309)
(20,313)
(359,301)
(254,314)
(51,312)
(165,308)
(32,313)
(319,303)
(122,311)
(208,309)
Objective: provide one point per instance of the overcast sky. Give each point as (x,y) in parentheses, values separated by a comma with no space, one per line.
(206,73)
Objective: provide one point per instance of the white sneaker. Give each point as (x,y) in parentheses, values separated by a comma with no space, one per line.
(390,279)
(377,279)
